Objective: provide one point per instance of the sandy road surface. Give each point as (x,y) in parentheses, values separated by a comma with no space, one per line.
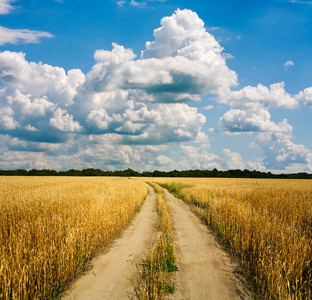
(205,271)
(109,276)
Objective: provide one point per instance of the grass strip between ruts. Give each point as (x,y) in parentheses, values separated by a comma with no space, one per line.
(154,280)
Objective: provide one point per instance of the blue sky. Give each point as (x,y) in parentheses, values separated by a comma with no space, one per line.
(156,85)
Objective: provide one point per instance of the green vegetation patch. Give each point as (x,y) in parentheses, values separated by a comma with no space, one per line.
(154,277)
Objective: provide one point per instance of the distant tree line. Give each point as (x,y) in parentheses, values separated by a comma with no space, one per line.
(131,173)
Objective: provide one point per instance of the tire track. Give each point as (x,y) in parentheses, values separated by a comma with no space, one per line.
(205,271)
(109,277)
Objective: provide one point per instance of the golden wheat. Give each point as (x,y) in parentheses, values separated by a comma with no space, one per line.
(51,227)
(266,223)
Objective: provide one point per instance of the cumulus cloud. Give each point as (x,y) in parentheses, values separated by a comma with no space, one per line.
(38,80)
(23,105)
(200,158)
(163,160)
(192,53)
(32,95)
(121,95)
(231,160)
(249,97)
(7,121)
(305,96)
(247,121)
(131,111)
(280,152)
(182,63)
(64,121)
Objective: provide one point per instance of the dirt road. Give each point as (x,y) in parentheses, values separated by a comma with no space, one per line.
(205,270)
(109,276)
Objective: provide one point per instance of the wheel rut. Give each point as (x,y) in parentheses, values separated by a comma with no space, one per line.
(109,277)
(205,270)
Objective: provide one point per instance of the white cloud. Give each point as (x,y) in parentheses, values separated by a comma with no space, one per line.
(227,56)
(38,80)
(121,3)
(244,121)
(132,111)
(18,36)
(6,7)
(99,118)
(64,122)
(231,160)
(280,153)
(258,166)
(192,53)
(288,64)
(208,107)
(213,28)
(167,71)
(249,97)
(7,121)
(200,158)
(305,96)
(24,105)
(30,128)
(300,2)
(137,4)
(163,160)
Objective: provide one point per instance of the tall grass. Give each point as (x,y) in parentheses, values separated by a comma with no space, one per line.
(154,277)
(51,227)
(266,223)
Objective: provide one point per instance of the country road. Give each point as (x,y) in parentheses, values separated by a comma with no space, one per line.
(205,270)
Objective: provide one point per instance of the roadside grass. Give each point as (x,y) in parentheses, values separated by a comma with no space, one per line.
(266,225)
(153,280)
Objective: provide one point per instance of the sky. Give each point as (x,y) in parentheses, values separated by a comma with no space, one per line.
(156,85)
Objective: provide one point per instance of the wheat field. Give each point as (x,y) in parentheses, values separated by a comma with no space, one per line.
(50,227)
(267,224)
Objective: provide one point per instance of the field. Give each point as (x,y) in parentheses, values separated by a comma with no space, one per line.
(267,224)
(50,227)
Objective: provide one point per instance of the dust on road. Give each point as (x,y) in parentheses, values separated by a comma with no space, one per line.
(110,275)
